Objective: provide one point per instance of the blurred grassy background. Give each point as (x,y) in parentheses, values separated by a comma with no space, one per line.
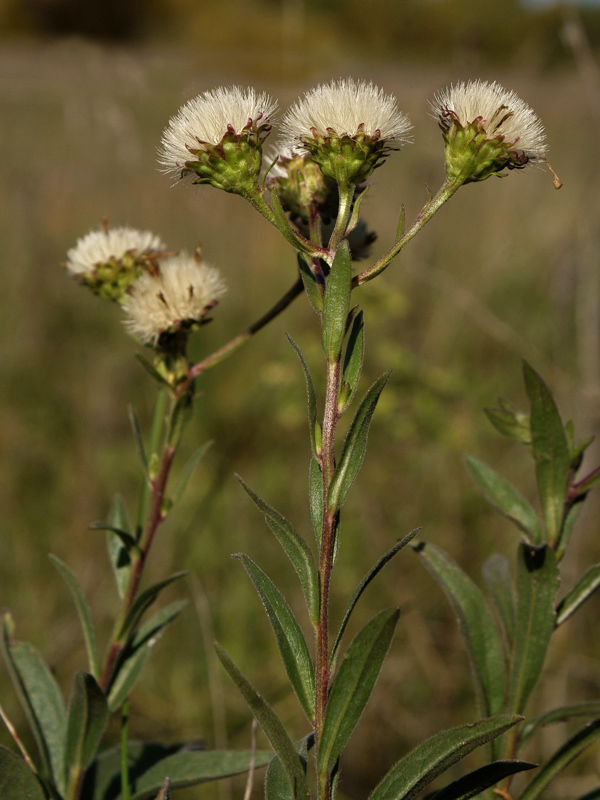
(508,270)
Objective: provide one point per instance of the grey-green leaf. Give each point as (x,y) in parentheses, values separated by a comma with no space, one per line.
(277,785)
(118,551)
(355,445)
(503,495)
(315,493)
(336,303)
(583,589)
(477,624)
(312,401)
(41,700)
(353,685)
(537,582)
(314,290)
(187,472)
(87,718)
(272,726)
(416,770)
(510,421)
(17,781)
(481,779)
(144,601)
(496,574)
(296,549)
(353,357)
(563,714)
(550,449)
(290,639)
(560,759)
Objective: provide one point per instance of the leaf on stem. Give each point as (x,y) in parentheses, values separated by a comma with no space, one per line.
(560,759)
(144,601)
(510,421)
(353,359)
(277,785)
(296,549)
(401,224)
(284,227)
(496,574)
(312,287)
(272,727)
(550,451)
(477,624)
(119,544)
(17,781)
(564,714)
(537,582)
(582,590)
(355,216)
(187,472)
(41,700)
(135,427)
(181,415)
(416,770)
(503,495)
(353,685)
(152,371)
(312,400)
(290,639)
(336,304)
(355,444)
(315,496)
(87,718)
(481,779)
(380,564)
(85,614)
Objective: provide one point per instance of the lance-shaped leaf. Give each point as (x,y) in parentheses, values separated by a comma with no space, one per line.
(180,417)
(296,549)
(136,651)
(375,570)
(272,727)
(289,234)
(477,624)
(187,472)
(564,714)
(353,359)
(481,779)
(277,785)
(417,769)
(510,421)
(583,589)
(312,401)
(550,451)
(87,718)
(290,639)
(17,781)
(496,574)
(568,525)
(503,495)
(336,303)
(537,582)
(315,496)
(118,547)
(41,700)
(312,287)
(85,614)
(144,601)
(562,758)
(355,445)
(353,685)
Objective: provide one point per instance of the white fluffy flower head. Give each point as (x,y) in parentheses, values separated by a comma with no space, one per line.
(206,125)
(175,296)
(99,247)
(500,129)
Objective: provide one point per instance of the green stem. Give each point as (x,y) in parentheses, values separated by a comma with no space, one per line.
(429,209)
(298,242)
(343,215)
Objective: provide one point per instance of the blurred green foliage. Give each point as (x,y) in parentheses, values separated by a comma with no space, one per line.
(508,269)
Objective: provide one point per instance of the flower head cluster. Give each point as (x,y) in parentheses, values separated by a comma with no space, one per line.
(486,129)
(172,298)
(108,260)
(216,138)
(356,121)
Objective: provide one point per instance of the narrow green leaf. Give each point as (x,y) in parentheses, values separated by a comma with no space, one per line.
(118,546)
(481,779)
(503,495)
(510,421)
(379,565)
(126,539)
(17,781)
(568,525)
(416,770)
(353,358)
(496,573)
(134,654)
(188,471)
(284,227)
(562,758)
(314,290)
(135,427)
(181,415)
(355,216)
(315,496)
(401,224)
(290,639)
(87,718)
(564,714)
(144,601)
(296,549)
(272,727)
(537,583)
(336,303)
(353,685)
(156,435)
(152,371)
(277,785)
(85,614)
(355,445)
(312,400)
(583,589)
(477,624)
(41,700)
(550,451)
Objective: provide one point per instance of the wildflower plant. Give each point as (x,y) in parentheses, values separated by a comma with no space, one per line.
(331,142)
